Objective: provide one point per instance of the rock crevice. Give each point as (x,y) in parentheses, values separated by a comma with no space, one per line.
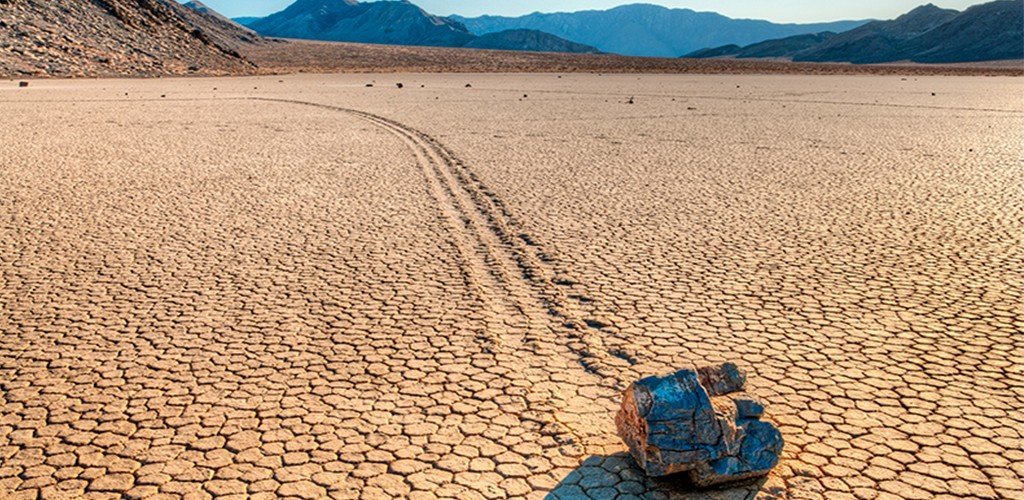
(699,422)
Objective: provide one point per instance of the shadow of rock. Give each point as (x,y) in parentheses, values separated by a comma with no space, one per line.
(619,477)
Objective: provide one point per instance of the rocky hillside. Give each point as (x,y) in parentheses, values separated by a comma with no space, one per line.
(650,30)
(116,38)
(531,40)
(989,32)
(879,41)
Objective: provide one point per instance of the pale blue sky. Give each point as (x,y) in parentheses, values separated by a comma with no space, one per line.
(793,11)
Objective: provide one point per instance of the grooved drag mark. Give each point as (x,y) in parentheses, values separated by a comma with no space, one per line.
(507,268)
(483,272)
(753,98)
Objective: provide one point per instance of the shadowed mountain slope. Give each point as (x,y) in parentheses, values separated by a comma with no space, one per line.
(987,32)
(879,41)
(246,20)
(927,34)
(396,23)
(388,22)
(531,40)
(650,30)
(782,48)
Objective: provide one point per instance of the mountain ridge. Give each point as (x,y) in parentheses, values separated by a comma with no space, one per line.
(386,22)
(649,30)
(992,31)
(781,48)
(231,32)
(396,23)
(529,40)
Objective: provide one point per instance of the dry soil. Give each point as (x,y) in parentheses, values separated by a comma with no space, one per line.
(305,286)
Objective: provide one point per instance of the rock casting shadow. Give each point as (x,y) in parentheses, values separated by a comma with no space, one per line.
(619,477)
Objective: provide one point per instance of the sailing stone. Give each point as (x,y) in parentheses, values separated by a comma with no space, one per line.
(698,422)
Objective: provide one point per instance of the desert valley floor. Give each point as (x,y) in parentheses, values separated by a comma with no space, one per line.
(306,286)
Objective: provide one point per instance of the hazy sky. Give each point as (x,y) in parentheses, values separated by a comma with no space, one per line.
(796,11)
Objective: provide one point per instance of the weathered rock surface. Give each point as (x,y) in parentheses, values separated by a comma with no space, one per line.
(697,421)
(117,38)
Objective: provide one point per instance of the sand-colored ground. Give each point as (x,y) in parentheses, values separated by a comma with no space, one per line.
(294,56)
(304,286)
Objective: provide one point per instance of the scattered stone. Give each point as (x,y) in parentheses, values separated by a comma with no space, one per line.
(369,84)
(630,101)
(399,85)
(22,84)
(721,380)
(468,85)
(687,422)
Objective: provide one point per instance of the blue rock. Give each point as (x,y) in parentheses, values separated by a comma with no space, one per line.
(686,422)
(748,408)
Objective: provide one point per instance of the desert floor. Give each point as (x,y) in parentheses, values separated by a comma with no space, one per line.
(277,56)
(304,286)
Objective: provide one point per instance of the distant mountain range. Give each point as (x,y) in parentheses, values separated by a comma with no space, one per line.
(245,20)
(650,30)
(928,34)
(387,22)
(397,23)
(532,40)
(232,31)
(780,48)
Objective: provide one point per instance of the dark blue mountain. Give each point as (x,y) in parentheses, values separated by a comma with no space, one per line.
(650,30)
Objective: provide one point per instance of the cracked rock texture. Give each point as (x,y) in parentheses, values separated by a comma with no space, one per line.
(690,422)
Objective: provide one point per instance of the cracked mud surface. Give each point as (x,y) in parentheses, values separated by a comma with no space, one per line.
(304,287)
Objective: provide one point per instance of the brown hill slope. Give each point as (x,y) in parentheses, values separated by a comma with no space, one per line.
(115,38)
(299,56)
